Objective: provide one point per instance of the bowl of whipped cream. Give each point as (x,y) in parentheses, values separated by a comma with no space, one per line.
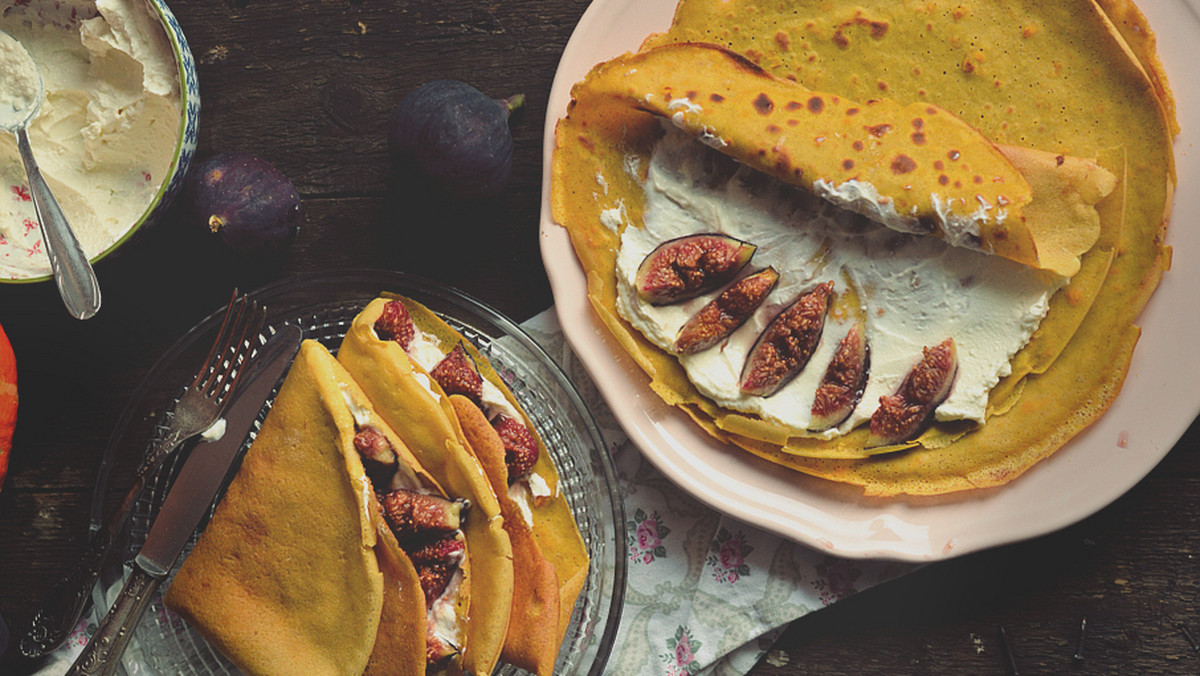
(116,129)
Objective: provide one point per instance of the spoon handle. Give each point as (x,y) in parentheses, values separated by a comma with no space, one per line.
(72,272)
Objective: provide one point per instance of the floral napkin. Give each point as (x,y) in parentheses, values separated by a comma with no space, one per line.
(706,594)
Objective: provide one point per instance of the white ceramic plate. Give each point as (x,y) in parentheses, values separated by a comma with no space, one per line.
(1161,396)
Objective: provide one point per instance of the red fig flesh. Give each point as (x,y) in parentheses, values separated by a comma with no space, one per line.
(905,414)
(457,374)
(686,267)
(787,343)
(725,313)
(842,386)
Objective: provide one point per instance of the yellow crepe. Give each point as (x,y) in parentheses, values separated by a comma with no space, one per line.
(285,579)
(554,530)
(550,561)
(410,402)
(400,641)
(1082,113)
(534,633)
(927,166)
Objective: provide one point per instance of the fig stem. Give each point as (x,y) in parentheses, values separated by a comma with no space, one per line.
(511,103)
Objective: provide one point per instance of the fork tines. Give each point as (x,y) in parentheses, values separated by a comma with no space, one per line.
(235,342)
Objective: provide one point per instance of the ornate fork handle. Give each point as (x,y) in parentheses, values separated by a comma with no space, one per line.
(68,598)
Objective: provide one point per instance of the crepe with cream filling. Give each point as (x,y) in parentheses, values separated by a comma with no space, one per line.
(549,559)
(297,567)
(1100,190)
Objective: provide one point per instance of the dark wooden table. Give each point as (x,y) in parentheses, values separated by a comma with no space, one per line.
(309,85)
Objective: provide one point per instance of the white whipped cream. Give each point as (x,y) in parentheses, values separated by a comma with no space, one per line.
(20,84)
(427,351)
(915,291)
(106,133)
(518,492)
(361,414)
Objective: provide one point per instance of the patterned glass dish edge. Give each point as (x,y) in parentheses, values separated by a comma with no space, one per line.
(323,306)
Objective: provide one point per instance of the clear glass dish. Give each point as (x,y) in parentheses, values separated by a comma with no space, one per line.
(323,306)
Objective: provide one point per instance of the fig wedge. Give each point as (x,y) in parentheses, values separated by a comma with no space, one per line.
(905,414)
(457,374)
(725,313)
(411,514)
(787,343)
(845,378)
(395,324)
(378,457)
(688,266)
(520,447)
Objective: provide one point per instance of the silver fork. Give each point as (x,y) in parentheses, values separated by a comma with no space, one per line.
(198,408)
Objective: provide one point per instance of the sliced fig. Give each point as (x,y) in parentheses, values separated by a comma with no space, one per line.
(520,446)
(905,414)
(395,324)
(457,374)
(787,343)
(685,267)
(411,514)
(378,457)
(845,378)
(725,313)
(448,549)
(434,577)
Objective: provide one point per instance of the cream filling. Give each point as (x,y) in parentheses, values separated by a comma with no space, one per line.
(441,618)
(107,130)
(914,291)
(20,83)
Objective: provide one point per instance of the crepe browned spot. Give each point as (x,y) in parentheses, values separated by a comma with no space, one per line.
(284,578)
(1050,84)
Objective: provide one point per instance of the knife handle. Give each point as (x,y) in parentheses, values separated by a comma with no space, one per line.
(103,652)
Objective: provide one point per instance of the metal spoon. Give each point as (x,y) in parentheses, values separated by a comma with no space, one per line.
(21,93)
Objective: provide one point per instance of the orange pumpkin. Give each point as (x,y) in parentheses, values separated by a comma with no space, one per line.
(8,401)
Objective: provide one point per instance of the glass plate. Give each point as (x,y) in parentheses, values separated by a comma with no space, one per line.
(323,306)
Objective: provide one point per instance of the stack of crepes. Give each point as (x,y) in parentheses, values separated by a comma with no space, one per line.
(1036,132)
(380,522)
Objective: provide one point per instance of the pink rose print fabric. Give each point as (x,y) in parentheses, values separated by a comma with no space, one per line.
(646,533)
(836,578)
(728,556)
(682,656)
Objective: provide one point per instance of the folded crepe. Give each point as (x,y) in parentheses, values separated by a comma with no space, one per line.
(411,404)
(438,367)
(1091,190)
(296,568)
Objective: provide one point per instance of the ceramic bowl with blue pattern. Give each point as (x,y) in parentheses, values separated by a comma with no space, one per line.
(185,136)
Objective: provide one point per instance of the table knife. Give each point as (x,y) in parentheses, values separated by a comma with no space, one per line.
(186,503)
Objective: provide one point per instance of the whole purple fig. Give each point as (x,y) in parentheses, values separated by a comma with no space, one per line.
(244,200)
(456,136)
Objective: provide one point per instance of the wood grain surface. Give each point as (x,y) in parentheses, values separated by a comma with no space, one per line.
(309,85)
